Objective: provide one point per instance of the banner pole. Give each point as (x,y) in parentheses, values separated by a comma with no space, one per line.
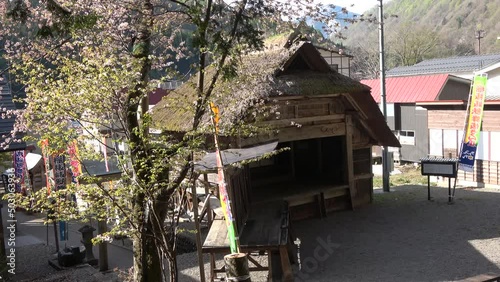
(224,195)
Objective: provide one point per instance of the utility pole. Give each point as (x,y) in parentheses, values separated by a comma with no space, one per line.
(385,153)
(479,36)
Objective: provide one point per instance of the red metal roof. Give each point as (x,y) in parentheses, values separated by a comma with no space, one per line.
(408,89)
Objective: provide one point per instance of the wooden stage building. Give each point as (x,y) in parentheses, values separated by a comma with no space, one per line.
(322,123)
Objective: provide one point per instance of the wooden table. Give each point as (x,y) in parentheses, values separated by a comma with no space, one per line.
(266,230)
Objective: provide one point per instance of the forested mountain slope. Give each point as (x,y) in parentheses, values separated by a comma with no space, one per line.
(436,28)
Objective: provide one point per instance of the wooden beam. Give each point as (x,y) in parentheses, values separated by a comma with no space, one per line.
(319,155)
(199,245)
(355,105)
(292,121)
(349,159)
(285,264)
(212,268)
(208,195)
(311,132)
(292,160)
(328,194)
(299,97)
(368,129)
(360,146)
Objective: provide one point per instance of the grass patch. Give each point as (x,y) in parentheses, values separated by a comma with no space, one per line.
(410,175)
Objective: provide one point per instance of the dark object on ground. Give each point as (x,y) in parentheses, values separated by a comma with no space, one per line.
(70,256)
(185,244)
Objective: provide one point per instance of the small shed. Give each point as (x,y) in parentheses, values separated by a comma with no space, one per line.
(328,121)
(324,122)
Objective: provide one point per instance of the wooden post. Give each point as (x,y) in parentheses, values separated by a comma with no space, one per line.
(198,231)
(450,199)
(237,267)
(285,264)
(428,187)
(371,178)
(207,192)
(103,246)
(47,229)
(292,158)
(349,159)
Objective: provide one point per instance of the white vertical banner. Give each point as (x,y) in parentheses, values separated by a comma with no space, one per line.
(495,148)
(483,146)
(435,142)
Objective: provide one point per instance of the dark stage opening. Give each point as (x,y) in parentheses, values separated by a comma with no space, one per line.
(305,166)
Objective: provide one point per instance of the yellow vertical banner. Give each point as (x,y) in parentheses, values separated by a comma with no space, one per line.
(473,125)
(476,110)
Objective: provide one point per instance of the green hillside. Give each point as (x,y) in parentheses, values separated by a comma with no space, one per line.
(452,24)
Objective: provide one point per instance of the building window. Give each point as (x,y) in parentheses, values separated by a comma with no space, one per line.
(407,137)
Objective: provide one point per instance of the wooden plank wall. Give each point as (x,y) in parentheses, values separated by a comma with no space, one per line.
(363,177)
(446,119)
(300,108)
(239,192)
(455,119)
(302,118)
(360,138)
(487,172)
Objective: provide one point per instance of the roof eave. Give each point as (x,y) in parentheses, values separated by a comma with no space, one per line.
(441,102)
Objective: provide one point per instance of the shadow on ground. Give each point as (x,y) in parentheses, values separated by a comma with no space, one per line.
(404,237)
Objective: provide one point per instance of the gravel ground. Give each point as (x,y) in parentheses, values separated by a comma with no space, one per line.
(400,237)
(34,266)
(404,237)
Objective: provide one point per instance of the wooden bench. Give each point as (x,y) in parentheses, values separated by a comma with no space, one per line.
(265,231)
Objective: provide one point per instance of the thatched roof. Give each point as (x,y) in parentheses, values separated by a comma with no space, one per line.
(260,74)
(298,70)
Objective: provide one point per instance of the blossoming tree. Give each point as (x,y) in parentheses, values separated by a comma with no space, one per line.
(94,62)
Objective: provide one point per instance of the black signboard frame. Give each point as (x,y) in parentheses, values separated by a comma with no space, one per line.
(439,167)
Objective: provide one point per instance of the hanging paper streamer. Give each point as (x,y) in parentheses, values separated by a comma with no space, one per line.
(473,126)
